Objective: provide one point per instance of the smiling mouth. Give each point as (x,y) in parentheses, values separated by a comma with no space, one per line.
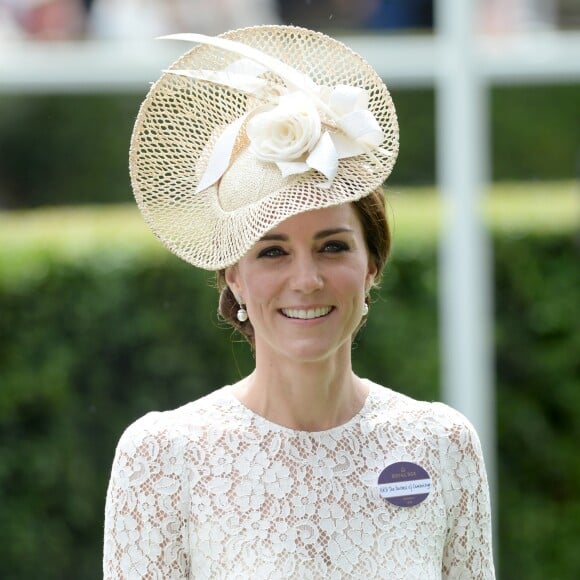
(307,314)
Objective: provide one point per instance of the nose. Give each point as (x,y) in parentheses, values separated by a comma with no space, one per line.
(305,275)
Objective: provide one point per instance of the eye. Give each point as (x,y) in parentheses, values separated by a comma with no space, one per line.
(335,246)
(271,252)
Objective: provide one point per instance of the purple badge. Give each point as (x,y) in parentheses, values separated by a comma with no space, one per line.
(404,484)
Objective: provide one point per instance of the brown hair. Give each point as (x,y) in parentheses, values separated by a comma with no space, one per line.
(372,213)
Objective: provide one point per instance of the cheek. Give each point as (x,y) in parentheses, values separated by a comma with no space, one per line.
(258,287)
(351,281)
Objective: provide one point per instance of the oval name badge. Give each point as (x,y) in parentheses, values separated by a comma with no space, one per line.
(404,484)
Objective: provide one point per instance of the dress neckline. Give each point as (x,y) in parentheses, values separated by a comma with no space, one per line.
(261,421)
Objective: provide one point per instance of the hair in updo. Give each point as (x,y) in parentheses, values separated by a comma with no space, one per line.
(371,211)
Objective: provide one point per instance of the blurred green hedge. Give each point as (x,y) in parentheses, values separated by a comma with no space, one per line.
(97,332)
(71,149)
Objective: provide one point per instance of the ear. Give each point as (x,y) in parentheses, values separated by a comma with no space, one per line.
(232,276)
(371,274)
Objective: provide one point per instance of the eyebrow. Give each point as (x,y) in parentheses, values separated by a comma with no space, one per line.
(317,236)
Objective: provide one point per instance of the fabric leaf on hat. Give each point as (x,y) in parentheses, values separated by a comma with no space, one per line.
(242,75)
(240,82)
(220,157)
(324,159)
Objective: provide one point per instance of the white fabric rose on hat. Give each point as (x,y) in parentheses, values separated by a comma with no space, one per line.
(291,136)
(286,133)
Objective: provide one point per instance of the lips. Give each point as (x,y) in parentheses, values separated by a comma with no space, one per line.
(306,314)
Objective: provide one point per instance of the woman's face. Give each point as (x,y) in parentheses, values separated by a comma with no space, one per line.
(304,284)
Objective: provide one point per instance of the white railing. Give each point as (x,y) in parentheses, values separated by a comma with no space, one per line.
(403,61)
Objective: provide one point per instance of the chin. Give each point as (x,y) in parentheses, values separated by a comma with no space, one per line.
(312,351)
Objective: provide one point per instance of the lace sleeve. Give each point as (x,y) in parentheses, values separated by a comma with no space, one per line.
(145,514)
(468,549)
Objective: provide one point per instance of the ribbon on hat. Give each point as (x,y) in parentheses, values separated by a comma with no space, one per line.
(299,125)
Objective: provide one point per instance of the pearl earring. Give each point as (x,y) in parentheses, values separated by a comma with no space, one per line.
(242,314)
(365,309)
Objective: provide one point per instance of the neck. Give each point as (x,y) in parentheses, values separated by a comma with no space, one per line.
(306,396)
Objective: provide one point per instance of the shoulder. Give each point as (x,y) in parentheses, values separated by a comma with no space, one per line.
(161,431)
(433,418)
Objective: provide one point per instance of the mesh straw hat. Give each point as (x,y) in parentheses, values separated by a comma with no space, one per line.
(252,127)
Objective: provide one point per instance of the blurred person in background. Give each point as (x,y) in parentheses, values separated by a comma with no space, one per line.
(144,19)
(260,155)
(364,14)
(46,20)
(518,16)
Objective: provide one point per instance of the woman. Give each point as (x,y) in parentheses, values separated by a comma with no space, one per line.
(260,155)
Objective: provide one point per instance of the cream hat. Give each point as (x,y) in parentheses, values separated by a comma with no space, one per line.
(252,127)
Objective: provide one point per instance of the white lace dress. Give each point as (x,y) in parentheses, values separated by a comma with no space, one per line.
(212,490)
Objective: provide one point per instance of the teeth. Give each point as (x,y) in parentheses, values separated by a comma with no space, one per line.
(306,314)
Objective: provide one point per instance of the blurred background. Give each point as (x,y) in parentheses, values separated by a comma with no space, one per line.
(99,324)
